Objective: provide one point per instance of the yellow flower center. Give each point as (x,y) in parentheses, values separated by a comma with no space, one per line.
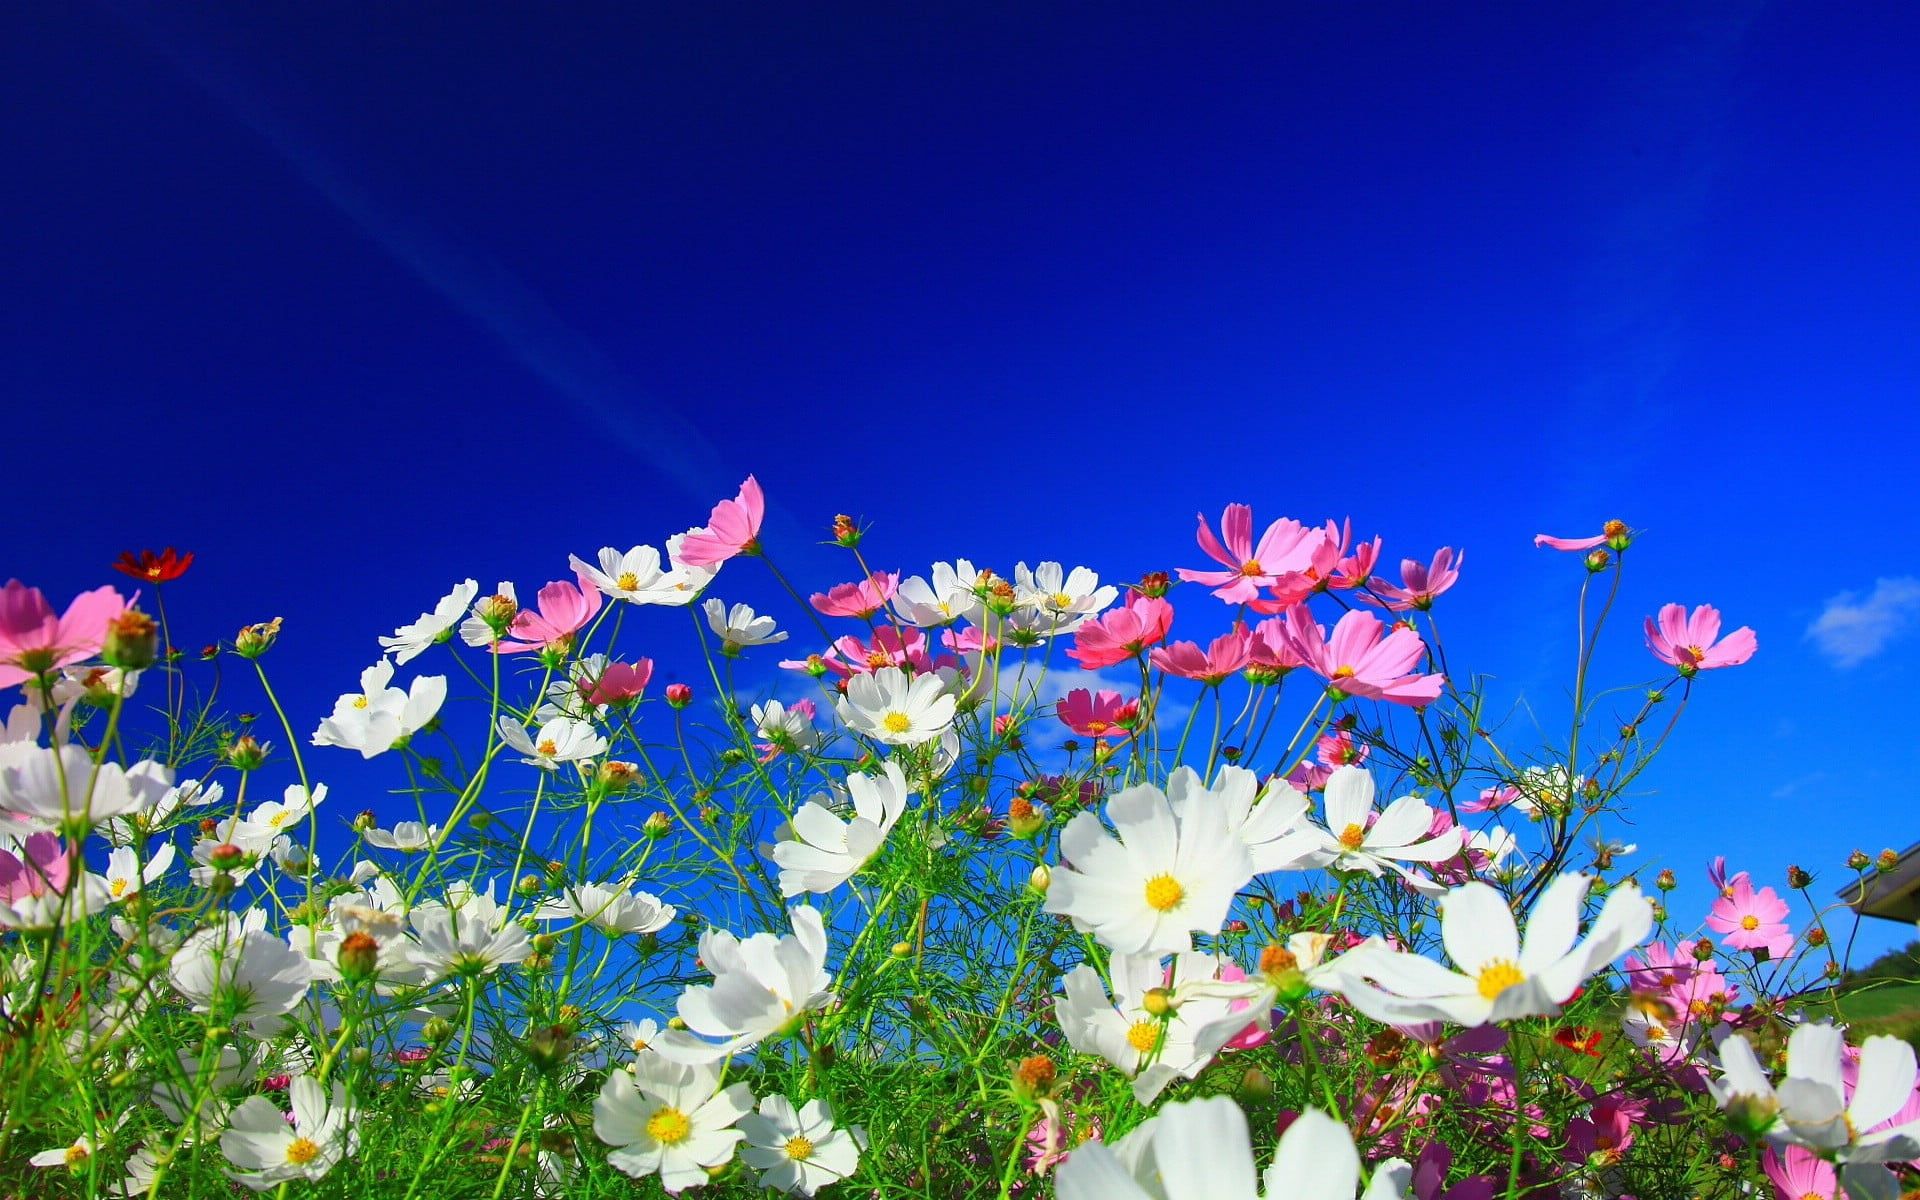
(119,888)
(1164,893)
(1344,672)
(547,747)
(639,1044)
(1062,600)
(1497,976)
(669,1127)
(1250,568)
(1144,1036)
(1353,836)
(627,582)
(897,722)
(302,1150)
(1749,922)
(360,702)
(276,819)
(76,1155)
(799,1148)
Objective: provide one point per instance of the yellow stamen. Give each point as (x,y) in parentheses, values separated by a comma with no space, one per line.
(1353,836)
(627,582)
(1749,922)
(1164,893)
(1144,1036)
(547,748)
(669,1127)
(799,1148)
(897,722)
(1497,976)
(302,1150)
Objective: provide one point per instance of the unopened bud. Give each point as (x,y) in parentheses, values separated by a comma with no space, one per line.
(226,856)
(1597,560)
(545,943)
(845,532)
(656,824)
(254,640)
(679,695)
(364,820)
(1816,936)
(1858,860)
(1034,1077)
(1752,1116)
(1255,1086)
(1154,585)
(1703,950)
(1888,860)
(247,752)
(1798,878)
(1618,535)
(497,612)
(1023,819)
(1041,879)
(1666,881)
(530,885)
(1159,1002)
(359,957)
(132,641)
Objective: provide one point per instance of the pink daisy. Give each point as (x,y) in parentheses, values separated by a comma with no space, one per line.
(1688,643)
(732,529)
(34,641)
(1122,633)
(1286,548)
(1750,920)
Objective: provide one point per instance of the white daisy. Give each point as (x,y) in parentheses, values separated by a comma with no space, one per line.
(949,598)
(430,628)
(1152,1048)
(669,1119)
(1811,1108)
(126,875)
(1167,875)
(62,789)
(819,851)
(246,978)
(740,627)
(633,576)
(560,740)
(610,909)
(760,986)
(1355,841)
(267,1150)
(1271,821)
(379,715)
(798,1152)
(408,837)
(900,710)
(1067,598)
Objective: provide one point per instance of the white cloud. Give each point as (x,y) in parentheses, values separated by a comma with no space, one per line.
(1852,629)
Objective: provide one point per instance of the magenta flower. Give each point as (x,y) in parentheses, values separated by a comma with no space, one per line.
(1361,660)
(619,682)
(1420,583)
(1331,752)
(1687,643)
(1228,653)
(34,641)
(1799,1174)
(1492,799)
(1352,570)
(861,599)
(42,870)
(1122,634)
(1286,548)
(732,529)
(1272,649)
(563,610)
(1750,920)
(1098,714)
(890,647)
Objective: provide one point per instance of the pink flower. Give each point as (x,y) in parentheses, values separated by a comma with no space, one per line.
(890,647)
(1101,714)
(861,599)
(1688,642)
(1799,1174)
(1560,543)
(1351,570)
(619,682)
(732,529)
(1286,548)
(43,870)
(1751,920)
(1358,661)
(1601,1137)
(1259,1030)
(1492,799)
(33,641)
(1272,649)
(1122,633)
(563,610)
(1228,653)
(1421,583)
(1332,751)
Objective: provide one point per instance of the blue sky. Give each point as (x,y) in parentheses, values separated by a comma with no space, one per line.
(358,307)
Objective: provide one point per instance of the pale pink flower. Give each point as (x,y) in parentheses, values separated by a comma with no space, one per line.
(42,869)
(1098,714)
(1574,544)
(1331,752)
(1286,548)
(732,529)
(1688,643)
(1122,633)
(563,610)
(618,682)
(861,599)
(33,641)
(1228,653)
(1492,799)
(1750,920)
(890,647)
(1360,659)
(1420,583)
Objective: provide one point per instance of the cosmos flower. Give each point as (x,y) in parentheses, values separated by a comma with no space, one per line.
(1098,714)
(1354,839)
(1750,920)
(740,627)
(1227,653)
(1691,644)
(1068,599)
(1285,550)
(33,641)
(379,716)
(148,567)
(267,1148)
(563,609)
(62,789)
(670,1119)
(1122,634)
(609,908)
(1361,659)
(900,710)
(819,851)
(429,628)
(759,987)
(254,975)
(560,740)
(1420,583)
(1811,1106)
(861,599)
(1153,1048)
(798,1152)
(633,576)
(733,529)
(950,597)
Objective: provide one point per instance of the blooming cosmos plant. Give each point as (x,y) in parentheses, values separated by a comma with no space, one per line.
(1261,862)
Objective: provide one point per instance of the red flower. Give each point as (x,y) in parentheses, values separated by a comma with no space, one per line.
(164,567)
(1580,1039)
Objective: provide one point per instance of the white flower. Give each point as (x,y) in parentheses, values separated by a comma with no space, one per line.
(684,581)
(561,739)
(740,627)
(266,1150)
(253,975)
(900,710)
(668,1118)
(409,641)
(1067,599)
(469,935)
(376,717)
(1199,1150)
(1811,1108)
(62,790)
(1153,1049)
(1499,979)
(798,1152)
(638,1036)
(75,1154)
(275,817)
(784,728)
(475,631)
(949,598)
(637,577)
(408,837)
(611,910)
(822,852)
(1351,844)
(1168,874)
(1276,830)
(125,875)
(759,987)
(1284,978)
(191,1090)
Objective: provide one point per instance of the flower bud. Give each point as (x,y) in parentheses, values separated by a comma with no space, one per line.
(1159,1002)
(679,695)
(254,640)
(1666,881)
(437,1029)
(1797,878)
(1888,860)
(1619,537)
(1255,1086)
(530,885)
(1040,880)
(497,613)
(364,820)
(1154,585)
(359,1056)
(1752,1115)
(1023,819)
(1034,1077)
(132,641)
(656,824)
(226,856)
(358,957)
(1816,936)
(1703,950)
(845,532)
(1597,560)
(247,753)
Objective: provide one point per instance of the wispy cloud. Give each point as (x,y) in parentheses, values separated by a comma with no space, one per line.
(1852,629)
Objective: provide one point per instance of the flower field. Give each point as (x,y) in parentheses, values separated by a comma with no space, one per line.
(1276,907)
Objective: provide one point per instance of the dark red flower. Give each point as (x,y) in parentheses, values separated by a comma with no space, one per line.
(1580,1039)
(164,567)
